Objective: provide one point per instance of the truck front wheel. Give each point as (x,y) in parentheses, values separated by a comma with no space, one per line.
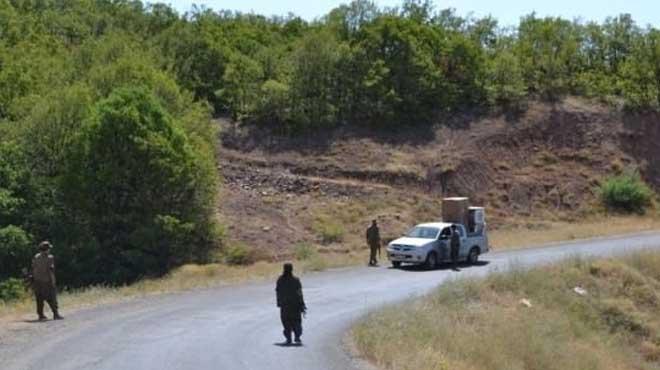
(431,261)
(473,257)
(396,264)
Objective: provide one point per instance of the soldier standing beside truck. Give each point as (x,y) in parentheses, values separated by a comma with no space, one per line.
(455,246)
(373,240)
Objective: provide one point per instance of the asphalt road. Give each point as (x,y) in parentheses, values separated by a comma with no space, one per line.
(238,327)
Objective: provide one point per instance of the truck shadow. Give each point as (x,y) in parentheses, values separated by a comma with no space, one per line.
(443,266)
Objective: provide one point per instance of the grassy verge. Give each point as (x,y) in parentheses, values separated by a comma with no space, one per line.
(484,324)
(530,234)
(185,278)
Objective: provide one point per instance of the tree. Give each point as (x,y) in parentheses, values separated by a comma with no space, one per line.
(348,19)
(549,51)
(314,81)
(14,196)
(505,85)
(241,82)
(136,180)
(641,73)
(399,64)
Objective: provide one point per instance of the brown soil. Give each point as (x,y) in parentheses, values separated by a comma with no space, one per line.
(542,165)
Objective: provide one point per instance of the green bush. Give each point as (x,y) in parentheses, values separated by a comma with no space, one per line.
(304,251)
(239,254)
(11,290)
(15,250)
(627,193)
(329,230)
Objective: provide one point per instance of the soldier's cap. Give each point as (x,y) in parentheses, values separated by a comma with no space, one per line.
(45,245)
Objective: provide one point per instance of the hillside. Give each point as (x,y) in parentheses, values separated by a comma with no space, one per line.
(136,194)
(323,188)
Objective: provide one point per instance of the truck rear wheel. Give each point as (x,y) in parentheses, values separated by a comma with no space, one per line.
(431,261)
(473,257)
(396,264)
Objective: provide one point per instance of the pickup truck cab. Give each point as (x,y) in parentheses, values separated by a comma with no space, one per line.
(428,244)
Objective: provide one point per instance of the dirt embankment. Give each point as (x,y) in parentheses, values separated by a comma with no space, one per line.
(544,164)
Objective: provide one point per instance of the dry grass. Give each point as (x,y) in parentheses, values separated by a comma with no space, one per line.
(480,324)
(532,234)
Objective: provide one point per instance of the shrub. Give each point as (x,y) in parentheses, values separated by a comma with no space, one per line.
(11,290)
(304,252)
(15,250)
(627,193)
(239,254)
(329,230)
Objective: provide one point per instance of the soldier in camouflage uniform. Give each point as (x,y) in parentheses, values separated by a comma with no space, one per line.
(373,240)
(291,303)
(43,281)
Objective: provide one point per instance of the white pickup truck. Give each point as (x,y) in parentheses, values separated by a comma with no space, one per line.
(428,244)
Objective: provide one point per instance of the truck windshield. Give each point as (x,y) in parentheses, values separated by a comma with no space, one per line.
(423,232)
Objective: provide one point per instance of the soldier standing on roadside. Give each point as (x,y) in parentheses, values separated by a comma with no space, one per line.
(373,240)
(291,303)
(43,281)
(455,246)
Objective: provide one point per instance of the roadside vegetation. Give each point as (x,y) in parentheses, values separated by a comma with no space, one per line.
(626,193)
(578,314)
(107,147)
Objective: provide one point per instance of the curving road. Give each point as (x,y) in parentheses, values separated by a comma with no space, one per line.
(238,327)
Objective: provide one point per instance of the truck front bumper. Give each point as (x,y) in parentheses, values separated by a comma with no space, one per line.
(406,256)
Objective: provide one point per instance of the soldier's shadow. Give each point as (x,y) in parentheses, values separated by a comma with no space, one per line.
(35,321)
(284,344)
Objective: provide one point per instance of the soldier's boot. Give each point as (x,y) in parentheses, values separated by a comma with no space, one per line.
(40,310)
(52,302)
(287,336)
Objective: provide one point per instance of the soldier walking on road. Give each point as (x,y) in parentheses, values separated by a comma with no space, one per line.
(373,240)
(43,281)
(291,303)
(455,246)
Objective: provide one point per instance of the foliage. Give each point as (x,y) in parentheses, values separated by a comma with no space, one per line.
(626,192)
(505,85)
(11,290)
(328,229)
(14,250)
(67,66)
(304,252)
(134,177)
(239,254)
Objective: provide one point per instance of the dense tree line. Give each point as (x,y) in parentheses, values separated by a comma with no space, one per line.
(106,141)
